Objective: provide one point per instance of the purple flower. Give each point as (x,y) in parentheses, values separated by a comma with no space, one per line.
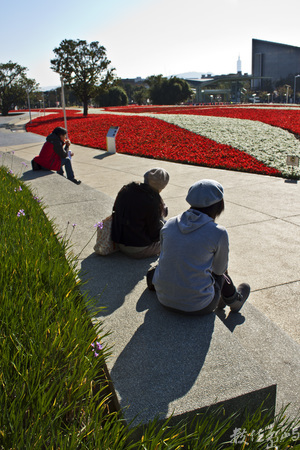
(21,213)
(74,225)
(99,225)
(10,171)
(24,164)
(98,346)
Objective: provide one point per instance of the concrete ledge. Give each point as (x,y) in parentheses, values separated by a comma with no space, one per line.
(177,365)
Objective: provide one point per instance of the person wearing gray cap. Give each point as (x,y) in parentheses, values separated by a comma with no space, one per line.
(191,276)
(138,215)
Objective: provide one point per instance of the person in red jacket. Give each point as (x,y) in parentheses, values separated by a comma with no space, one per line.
(55,154)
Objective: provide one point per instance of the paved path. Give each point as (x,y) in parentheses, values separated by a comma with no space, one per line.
(262,216)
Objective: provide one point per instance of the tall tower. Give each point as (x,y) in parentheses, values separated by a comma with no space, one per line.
(239,65)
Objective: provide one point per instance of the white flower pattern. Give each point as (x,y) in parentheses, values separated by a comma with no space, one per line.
(270,145)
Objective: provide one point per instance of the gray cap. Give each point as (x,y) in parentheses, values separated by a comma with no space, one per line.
(204,193)
(157,178)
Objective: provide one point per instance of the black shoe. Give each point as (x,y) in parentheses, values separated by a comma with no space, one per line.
(238,299)
(75,181)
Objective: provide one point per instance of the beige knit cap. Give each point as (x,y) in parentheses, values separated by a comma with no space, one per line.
(157,178)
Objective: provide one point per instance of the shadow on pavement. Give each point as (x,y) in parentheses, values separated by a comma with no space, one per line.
(34,174)
(109,279)
(103,155)
(162,360)
(232,320)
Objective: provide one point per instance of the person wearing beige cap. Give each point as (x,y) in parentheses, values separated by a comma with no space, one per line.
(138,215)
(191,276)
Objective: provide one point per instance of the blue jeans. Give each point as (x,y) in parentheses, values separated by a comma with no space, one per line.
(68,166)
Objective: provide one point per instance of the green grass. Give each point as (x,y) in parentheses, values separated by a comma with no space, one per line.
(53,390)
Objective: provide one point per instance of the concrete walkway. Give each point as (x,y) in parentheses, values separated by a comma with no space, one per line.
(262,216)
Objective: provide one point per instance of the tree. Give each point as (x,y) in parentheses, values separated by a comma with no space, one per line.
(168,91)
(14,85)
(114,96)
(140,95)
(84,67)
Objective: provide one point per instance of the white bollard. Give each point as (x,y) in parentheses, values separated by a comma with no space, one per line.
(111,139)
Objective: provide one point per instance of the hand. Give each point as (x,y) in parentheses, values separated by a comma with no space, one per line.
(67,142)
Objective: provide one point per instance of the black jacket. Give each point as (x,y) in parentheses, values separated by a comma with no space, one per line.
(137,215)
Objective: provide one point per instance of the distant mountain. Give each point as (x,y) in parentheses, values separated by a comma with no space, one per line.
(48,88)
(189,75)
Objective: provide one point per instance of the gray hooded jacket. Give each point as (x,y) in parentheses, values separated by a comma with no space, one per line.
(193,247)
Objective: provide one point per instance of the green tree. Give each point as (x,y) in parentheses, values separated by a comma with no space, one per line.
(14,85)
(168,91)
(114,96)
(84,67)
(140,95)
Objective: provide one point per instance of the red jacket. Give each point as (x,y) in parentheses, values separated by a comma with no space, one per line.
(47,158)
(52,153)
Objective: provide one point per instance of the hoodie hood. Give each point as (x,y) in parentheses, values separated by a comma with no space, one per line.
(53,138)
(192,220)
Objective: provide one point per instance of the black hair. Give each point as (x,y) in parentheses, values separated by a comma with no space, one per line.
(212,211)
(59,131)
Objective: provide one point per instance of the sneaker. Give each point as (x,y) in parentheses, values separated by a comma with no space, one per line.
(75,181)
(239,298)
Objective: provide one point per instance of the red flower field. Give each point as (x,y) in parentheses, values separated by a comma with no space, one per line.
(152,138)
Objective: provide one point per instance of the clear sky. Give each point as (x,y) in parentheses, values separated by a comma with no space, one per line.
(144,38)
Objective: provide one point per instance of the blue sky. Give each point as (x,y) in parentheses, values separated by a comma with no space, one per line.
(145,38)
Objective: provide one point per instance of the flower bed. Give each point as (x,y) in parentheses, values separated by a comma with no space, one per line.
(268,144)
(154,138)
(286,118)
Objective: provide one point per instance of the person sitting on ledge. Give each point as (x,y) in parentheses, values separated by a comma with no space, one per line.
(191,276)
(55,154)
(138,215)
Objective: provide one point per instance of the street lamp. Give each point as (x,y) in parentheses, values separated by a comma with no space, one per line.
(28,98)
(268,97)
(63,102)
(287,92)
(296,76)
